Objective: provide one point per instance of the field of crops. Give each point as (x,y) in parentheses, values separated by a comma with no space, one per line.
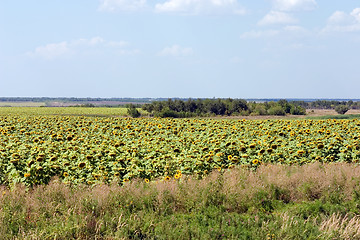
(74,111)
(84,149)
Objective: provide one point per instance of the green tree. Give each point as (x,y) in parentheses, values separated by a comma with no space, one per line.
(341,109)
(132,111)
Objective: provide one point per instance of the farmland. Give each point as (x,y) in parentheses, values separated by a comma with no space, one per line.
(100,149)
(174,168)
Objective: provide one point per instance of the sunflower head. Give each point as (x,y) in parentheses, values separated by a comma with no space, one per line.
(82,165)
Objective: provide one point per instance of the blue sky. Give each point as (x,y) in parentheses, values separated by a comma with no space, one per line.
(180,48)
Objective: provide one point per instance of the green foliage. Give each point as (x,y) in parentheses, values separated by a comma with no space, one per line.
(297,110)
(276,110)
(223,107)
(132,111)
(341,109)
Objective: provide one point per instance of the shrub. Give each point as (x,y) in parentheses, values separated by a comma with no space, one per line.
(132,111)
(276,110)
(341,109)
(297,110)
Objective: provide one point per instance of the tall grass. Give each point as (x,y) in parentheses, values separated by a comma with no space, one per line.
(277,202)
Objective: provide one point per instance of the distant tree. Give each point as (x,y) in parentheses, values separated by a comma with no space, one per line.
(132,111)
(297,110)
(276,110)
(341,109)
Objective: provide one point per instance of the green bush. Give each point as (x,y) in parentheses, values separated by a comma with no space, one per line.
(132,111)
(341,109)
(276,110)
(297,110)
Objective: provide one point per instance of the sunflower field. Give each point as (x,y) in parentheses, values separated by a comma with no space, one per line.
(91,150)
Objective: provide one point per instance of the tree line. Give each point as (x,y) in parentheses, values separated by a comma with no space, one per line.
(223,107)
(327,104)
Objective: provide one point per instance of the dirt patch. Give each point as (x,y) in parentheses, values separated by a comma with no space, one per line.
(325,112)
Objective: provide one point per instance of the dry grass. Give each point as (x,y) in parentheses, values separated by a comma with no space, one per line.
(343,227)
(84,212)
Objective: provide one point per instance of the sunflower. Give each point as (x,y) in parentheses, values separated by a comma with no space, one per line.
(300,152)
(147,180)
(167,178)
(27,175)
(82,165)
(274,146)
(31,162)
(252,145)
(255,161)
(320,146)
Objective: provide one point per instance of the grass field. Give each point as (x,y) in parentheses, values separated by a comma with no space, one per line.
(22,104)
(76,111)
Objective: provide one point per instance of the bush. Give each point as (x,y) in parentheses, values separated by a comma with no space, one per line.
(341,109)
(276,110)
(132,111)
(297,110)
(167,113)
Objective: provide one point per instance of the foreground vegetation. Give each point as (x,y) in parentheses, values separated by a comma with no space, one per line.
(314,201)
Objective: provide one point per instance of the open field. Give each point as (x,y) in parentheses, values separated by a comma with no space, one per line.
(82,173)
(328,112)
(63,111)
(87,149)
(22,104)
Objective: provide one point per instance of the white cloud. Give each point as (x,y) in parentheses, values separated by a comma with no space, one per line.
(176,51)
(83,45)
(259,34)
(122,5)
(281,8)
(276,17)
(195,7)
(294,5)
(343,22)
(356,14)
(339,17)
(289,32)
(51,51)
